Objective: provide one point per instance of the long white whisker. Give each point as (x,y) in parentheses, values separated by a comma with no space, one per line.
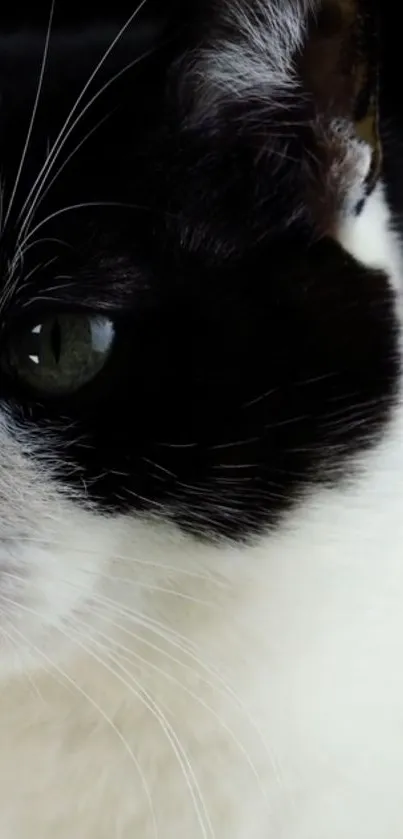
(146,700)
(13,629)
(12,280)
(153,589)
(5,634)
(36,540)
(79,206)
(62,136)
(167,728)
(96,707)
(33,115)
(45,240)
(40,266)
(183,645)
(181,595)
(129,654)
(42,195)
(27,674)
(19,258)
(175,640)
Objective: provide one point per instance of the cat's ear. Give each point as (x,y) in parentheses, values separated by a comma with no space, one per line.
(299,77)
(339,66)
(278,105)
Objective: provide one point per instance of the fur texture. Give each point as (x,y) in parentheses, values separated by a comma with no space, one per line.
(200,553)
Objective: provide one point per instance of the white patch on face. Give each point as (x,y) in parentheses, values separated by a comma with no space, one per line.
(370,237)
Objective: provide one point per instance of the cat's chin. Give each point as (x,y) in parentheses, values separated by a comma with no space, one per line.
(278,658)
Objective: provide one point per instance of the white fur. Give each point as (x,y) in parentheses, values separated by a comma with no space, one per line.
(372,239)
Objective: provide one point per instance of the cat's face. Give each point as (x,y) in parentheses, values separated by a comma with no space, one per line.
(186,347)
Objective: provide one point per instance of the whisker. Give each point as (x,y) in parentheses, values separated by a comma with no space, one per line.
(33,115)
(170,677)
(27,674)
(127,558)
(260,398)
(157,589)
(176,641)
(176,445)
(159,468)
(10,286)
(189,649)
(234,443)
(5,635)
(94,704)
(41,197)
(148,703)
(12,280)
(154,589)
(55,676)
(173,739)
(43,240)
(62,136)
(166,633)
(80,206)
(40,266)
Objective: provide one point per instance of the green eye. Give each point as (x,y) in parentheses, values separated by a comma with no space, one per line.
(61,354)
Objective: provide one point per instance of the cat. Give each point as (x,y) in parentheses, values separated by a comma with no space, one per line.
(201,421)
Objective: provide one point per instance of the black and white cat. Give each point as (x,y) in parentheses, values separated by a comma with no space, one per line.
(201,424)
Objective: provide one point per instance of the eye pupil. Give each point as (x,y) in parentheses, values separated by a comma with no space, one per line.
(56,340)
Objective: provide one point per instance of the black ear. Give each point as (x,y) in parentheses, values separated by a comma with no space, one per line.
(340,67)
(278,119)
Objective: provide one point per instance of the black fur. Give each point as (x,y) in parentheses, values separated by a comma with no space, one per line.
(252,358)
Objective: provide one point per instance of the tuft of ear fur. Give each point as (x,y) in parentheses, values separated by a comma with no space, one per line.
(339,66)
